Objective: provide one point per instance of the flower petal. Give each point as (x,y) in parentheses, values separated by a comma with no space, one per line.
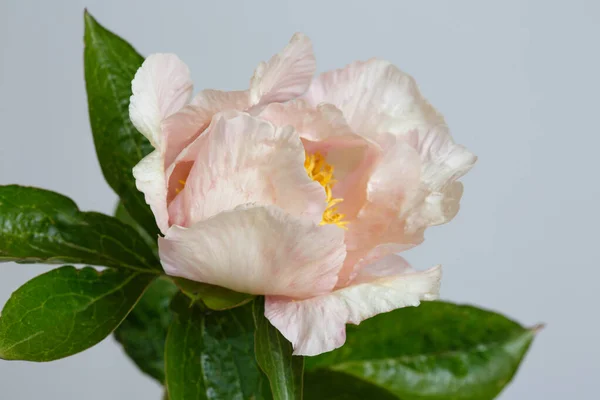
(384,104)
(318,324)
(181,128)
(375,97)
(286,75)
(442,163)
(241,160)
(312,123)
(160,88)
(395,180)
(443,160)
(324,130)
(258,250)
(149,176)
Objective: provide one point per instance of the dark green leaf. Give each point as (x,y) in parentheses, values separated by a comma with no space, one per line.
(274,355)
(110,65)
(328,385)
(144,331)
(438,351)
(41,226)
(213,297)
(122,215)
(67,310)
(211,356)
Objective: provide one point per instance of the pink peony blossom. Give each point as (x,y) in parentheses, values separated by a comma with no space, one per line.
(299,189)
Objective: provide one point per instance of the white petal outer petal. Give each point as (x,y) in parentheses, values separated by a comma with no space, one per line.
(243,159)
(443,160)
(377,100)
(258,250)
(318,325)
(213,101)
(375,97)
(286,75)
(385,105)
(149,177)
(183,127)
(312,123)
(160,88)
(437,201)
(394,180)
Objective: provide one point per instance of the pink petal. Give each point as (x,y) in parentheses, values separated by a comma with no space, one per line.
(318,325)
(241,159)
(384,104)
(160,88)
(324,130)
(213,101)
(149,177)
(286,75)
(258,250)
(443,162)
(375,97)
(394,181)
(312,123)
(183,127)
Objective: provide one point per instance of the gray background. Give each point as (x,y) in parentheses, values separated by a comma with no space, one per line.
(517,80)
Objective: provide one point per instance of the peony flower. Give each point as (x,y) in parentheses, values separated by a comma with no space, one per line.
(299,189)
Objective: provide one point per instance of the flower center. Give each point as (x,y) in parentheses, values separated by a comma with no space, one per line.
(320,171)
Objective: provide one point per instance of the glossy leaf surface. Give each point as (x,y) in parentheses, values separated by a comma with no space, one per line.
(437,351)
(67,310)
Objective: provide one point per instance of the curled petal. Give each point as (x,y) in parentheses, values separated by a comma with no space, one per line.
(312,123)
(149,177)
(394,181)
(442,163)
(318,324)
(181,128)
(384,104)
(160,88)
(286,75)
(213,101)
(443,160)
(324,130)
(241,159)
(375,97)
(258,250)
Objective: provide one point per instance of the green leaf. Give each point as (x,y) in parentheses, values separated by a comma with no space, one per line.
(41,226)
(274,355)
(328,385)
(110,65)
(213,297)
(143,333)
(211,356)
(122,215)
(67,310)
(437,351)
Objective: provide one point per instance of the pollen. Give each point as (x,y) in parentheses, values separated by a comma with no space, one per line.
(320,171)
(182,183)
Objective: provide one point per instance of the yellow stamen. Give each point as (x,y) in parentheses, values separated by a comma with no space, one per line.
(320,171)
(182,183)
